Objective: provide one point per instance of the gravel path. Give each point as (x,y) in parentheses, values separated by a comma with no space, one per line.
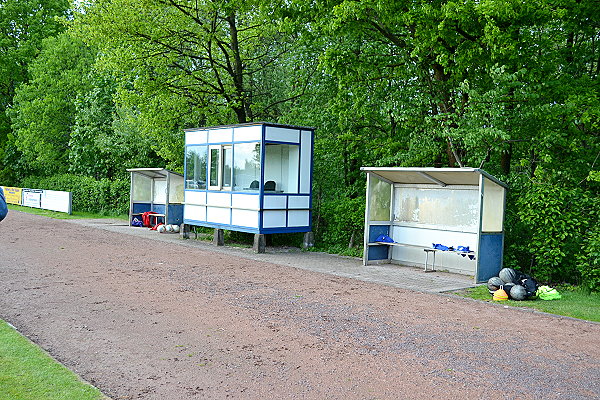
(143,319)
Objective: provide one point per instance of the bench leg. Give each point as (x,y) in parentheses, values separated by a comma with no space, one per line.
(427,261)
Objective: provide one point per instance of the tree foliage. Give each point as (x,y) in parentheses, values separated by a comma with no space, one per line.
(44,112)
(23,26)
(509,86)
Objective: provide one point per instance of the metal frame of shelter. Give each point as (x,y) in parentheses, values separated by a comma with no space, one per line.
(420,207)
(147,194)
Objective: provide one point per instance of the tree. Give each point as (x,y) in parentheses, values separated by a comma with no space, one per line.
(196,63)
(23,26)
(44,109)
(512,86)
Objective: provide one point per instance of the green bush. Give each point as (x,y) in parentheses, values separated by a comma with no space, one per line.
(552,233)
(341,222)
(102,196)
(589,261)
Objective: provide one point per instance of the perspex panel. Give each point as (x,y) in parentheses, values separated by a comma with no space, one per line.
(176,189)
(160,191)
(493,206)
(380,200)
(444,208)
(142,188)
(305,162)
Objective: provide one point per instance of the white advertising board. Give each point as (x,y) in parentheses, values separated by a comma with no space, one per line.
(47,199)
(56,201)
(32,198)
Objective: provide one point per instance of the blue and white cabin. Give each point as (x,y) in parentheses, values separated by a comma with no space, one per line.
(417,208)
(254,177)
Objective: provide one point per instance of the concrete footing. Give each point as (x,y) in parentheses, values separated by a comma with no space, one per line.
(184,231)
(260,243)
(219,237)
(309,240)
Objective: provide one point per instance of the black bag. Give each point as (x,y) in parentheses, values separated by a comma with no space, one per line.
(530,286)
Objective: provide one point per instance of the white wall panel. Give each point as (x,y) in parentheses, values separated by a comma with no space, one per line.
(298,218)
(193,197)
(220,135)
(274,219)
(247,133)
(196,137)
(282,134)
(444,260)
(244,218)
(218,199)
(245,201)
(218,215)
(197,213)
(305,161)
(425,237)
(274,202)
(299,202)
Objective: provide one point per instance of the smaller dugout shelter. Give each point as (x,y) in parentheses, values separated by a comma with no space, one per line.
(252,177)
(420,212)
(158,190)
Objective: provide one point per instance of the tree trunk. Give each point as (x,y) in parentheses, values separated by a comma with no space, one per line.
(239,106)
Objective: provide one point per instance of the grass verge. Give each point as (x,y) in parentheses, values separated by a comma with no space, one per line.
(574,303)
(60,215)
(28,373)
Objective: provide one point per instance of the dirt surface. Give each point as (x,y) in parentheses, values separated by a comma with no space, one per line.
(142,319)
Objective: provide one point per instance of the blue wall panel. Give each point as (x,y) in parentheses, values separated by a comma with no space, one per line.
(490,256)
(140,208)
(175,214)
(377,252)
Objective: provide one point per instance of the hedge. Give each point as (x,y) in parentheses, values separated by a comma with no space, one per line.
(102,196)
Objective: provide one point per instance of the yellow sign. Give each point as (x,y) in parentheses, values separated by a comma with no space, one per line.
(13,195)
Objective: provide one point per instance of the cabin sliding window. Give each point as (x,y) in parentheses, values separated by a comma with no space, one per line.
(246,170)
(195,167)
(220,167)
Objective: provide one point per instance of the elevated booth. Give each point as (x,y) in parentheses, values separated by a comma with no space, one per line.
(158,190)
(254,177)
(447,218)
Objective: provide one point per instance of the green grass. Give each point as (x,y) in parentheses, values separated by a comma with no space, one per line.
(28,373)
(574,302)
(60,215)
